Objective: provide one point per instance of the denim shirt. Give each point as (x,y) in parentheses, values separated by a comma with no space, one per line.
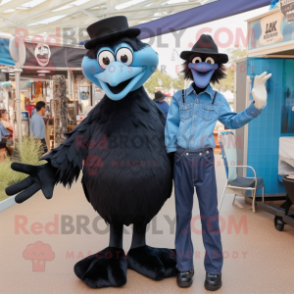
(3,131)
(163,106)
(37,126)
(190,124)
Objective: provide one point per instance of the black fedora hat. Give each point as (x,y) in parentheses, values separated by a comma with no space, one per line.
(206,45)
(159,96)
(109,28)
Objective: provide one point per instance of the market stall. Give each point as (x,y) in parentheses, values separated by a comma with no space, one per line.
(53,74)
(268,141)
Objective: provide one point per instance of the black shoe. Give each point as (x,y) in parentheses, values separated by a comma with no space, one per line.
(213,282)
(185,279)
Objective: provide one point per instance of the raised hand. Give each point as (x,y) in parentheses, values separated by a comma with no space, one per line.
(41,177)
(259,92)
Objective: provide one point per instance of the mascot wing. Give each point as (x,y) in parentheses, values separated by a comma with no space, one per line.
(64,163)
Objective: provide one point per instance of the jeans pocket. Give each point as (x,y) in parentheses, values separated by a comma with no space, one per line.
(209,157)
(177,156)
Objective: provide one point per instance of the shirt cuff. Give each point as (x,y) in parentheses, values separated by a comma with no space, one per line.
(253,111)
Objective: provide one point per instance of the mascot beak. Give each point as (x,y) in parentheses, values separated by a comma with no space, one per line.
(118,79)
(202,73)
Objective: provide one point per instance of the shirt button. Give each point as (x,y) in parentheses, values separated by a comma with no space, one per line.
(200,154)
(207,152)
(195,115)
(187,153)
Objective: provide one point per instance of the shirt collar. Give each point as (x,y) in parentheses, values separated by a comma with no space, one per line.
(208,90)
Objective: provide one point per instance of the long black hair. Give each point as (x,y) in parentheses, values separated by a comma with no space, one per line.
(218,75)
(134,42)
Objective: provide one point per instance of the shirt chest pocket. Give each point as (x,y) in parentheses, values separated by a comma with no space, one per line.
(209,112)
(186,111)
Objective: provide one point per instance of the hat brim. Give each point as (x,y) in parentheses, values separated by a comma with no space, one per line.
(160,98)
(130,32)
(220,57)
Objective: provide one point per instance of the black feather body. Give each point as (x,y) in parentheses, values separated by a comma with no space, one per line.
(127,174)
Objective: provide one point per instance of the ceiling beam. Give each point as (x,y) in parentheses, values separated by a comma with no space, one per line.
(35,17)
(82,16)
(12,4)
(152,8)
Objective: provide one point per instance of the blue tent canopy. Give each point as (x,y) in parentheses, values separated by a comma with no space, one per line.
(198,15)
(5,57)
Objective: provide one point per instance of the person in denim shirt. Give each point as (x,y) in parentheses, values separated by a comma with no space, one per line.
(160,103)
(189,129)
(3,131)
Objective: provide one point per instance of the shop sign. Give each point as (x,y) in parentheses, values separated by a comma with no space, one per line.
(42,54)
(287,9)
(271,29)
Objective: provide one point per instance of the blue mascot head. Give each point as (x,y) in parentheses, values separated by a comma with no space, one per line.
(204,64)
(117,61)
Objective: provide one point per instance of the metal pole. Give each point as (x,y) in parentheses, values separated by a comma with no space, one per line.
(7,104)
(69,82)
(17,72)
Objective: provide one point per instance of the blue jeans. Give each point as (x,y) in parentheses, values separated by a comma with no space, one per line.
(196,168)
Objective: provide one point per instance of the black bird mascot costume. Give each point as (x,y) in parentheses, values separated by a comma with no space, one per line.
(127,174)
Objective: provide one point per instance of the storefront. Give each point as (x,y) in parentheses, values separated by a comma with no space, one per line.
(51,74)
(267,143)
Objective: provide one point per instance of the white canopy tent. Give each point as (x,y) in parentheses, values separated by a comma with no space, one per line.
(43,17)
(67,20)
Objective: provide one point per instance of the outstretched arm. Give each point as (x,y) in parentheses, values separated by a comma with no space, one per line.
(64,163)
(233,120)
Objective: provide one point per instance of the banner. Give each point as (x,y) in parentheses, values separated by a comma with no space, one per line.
(269,30)
(45,56)
(201,14)
(287,8)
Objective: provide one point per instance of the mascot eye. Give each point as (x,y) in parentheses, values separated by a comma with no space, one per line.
(105,58)
(125,56)
(197,60)
(210,60)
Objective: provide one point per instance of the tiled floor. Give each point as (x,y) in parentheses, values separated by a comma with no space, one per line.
(258,259)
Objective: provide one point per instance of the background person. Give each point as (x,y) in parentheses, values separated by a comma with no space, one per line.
(4,133)
(160,103)
(3,118)
(37,125)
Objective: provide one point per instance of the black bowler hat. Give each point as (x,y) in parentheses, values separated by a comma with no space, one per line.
(159,96)
(109,28)
(206,45)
